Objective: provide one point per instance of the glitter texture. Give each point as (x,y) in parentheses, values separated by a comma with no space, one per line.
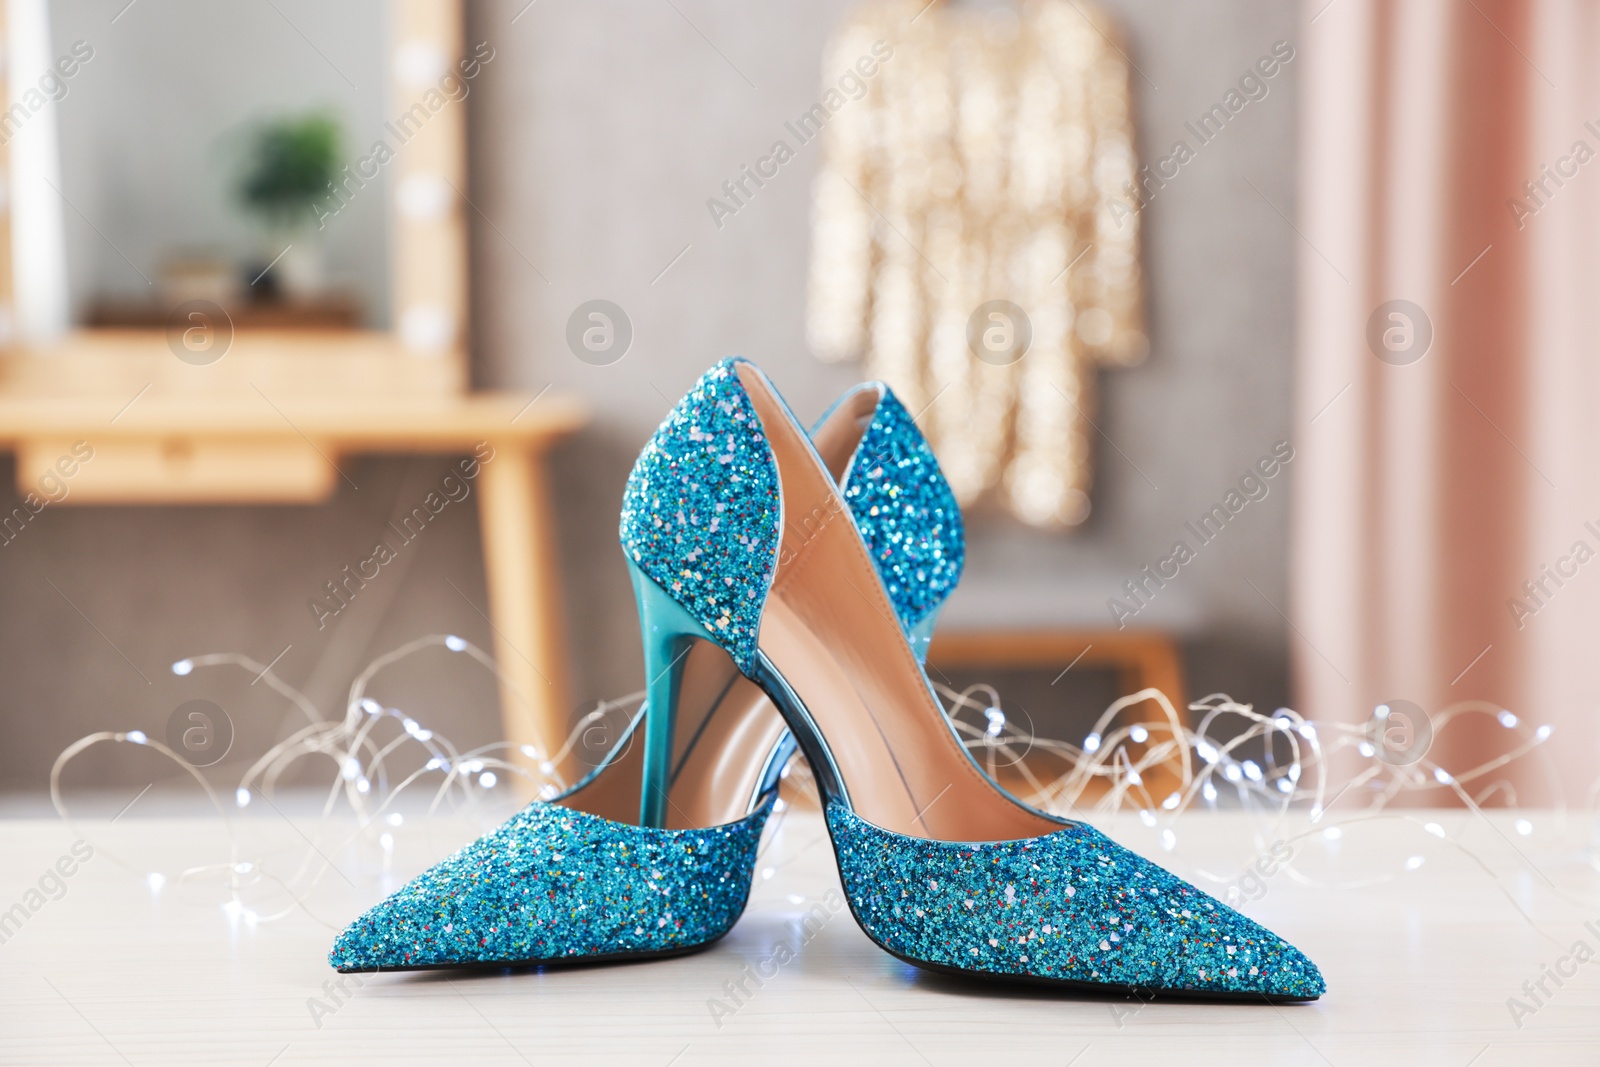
(1070,905)
(552,883)
(700,511)
(905,510)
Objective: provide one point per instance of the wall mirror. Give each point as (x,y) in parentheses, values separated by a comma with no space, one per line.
(201,196)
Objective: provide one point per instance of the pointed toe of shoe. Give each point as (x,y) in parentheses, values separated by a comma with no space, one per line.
(370,943)
(1244,958)
(1295,977)
(1071,907)
(555,884)
(429,922)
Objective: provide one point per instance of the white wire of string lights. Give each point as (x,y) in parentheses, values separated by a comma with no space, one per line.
(1142,757)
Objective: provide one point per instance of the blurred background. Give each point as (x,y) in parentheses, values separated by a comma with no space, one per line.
(1320,178)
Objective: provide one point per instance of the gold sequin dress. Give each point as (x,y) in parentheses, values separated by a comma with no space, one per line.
(990,159)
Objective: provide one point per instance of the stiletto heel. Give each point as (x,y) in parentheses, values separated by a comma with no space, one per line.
(941,866)
(668,633)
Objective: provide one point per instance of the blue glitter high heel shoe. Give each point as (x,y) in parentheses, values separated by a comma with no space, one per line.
(891,483)
(582,877)
(942,867)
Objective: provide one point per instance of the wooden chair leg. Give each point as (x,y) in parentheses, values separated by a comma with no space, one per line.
(525,605)
(1140,660)
(1162,670)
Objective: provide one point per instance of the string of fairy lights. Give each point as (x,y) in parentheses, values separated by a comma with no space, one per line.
(1294,779)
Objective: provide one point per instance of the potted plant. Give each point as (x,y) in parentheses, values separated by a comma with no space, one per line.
(291,166)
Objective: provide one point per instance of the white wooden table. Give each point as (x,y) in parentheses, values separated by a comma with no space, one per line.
(1419,967)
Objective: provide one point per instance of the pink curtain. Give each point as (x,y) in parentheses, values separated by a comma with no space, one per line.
(1447,519)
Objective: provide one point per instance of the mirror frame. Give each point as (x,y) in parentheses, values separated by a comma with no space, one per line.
(423,353)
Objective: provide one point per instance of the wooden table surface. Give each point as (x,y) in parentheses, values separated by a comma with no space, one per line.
(1419,966)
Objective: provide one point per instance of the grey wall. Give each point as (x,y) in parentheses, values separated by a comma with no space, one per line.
(609,135)
(597,134)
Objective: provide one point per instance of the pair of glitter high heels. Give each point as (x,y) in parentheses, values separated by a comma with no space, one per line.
(787,584)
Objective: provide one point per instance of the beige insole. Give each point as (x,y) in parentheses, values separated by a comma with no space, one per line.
(717,761)
(830,631)
(725,729)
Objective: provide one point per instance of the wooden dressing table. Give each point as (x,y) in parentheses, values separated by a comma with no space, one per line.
(207,411)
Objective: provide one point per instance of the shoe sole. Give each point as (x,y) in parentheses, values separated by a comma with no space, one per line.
(1143,994)
(556,962)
